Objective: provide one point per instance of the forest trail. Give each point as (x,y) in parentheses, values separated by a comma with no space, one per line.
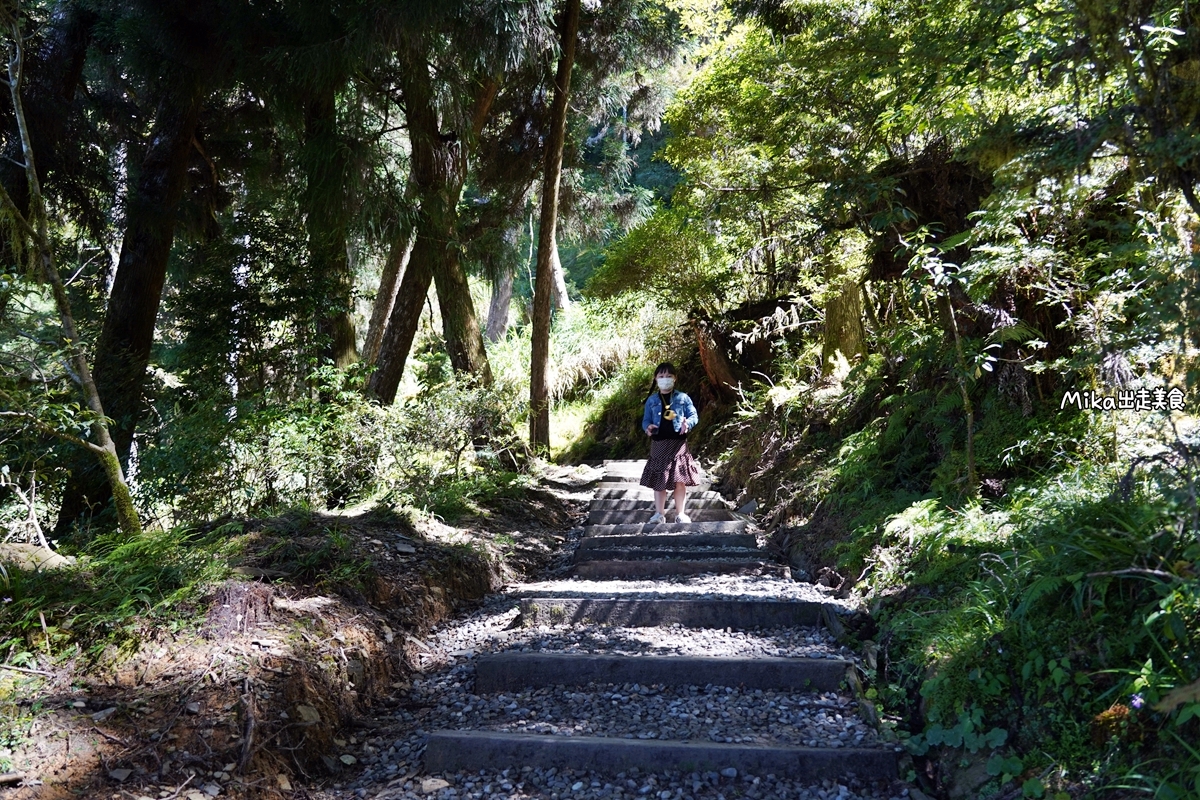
(677,660)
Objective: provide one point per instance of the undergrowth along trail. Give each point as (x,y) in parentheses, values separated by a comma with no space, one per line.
(241,658)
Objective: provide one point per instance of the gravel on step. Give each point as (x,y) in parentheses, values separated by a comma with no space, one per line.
(689,587)
(445,700)
(489,630)
(522,783)
(394,756)
(631,711)
(669,551)
(772,642)
(388,762)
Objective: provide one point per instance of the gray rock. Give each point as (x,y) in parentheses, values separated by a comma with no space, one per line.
(306,714)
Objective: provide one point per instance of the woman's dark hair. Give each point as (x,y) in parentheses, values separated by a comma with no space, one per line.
(666,367)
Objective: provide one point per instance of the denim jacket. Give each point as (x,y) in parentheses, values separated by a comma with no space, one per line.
(679,401)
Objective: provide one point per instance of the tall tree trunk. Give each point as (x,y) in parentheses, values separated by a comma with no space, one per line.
(123,350)
(34,225)
(964,389)
(460,326)
(502,292)
(539,390)
(844,332)
(325,200)
(721,373)
(389,287)
(405,317)
(439,168)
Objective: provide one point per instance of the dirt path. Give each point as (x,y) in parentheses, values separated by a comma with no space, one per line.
(673,661)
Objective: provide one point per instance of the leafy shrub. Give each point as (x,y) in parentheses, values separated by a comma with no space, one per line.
(328,449)
(1070,601)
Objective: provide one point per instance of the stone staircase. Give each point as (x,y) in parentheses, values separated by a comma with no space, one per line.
(622,700)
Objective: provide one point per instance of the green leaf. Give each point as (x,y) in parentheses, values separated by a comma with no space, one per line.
(954,241)
(1007,767)
(1033,788)
(917,745)
(953,737)
(996,737)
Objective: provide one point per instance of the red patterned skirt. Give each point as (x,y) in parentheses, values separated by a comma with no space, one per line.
(670,463)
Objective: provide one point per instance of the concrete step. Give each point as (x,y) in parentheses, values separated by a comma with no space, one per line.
(632,483)
(661,612)
(499,672)
(591,542)
(738,526)
(614,467)
(623,474)
(634,504)
(642,493)
(641,570)
(450,751)
(607,516)
(680,553)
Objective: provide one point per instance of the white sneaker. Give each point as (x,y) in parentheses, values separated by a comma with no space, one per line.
(657,518)
(682,518)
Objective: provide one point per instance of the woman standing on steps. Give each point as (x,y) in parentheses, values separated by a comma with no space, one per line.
(667,418)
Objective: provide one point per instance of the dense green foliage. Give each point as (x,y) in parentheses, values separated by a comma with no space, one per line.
(1005,190)
(293,168)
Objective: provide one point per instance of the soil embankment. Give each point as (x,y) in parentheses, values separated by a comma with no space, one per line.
(265,688)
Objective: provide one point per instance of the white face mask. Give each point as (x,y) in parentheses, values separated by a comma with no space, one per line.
(665,384)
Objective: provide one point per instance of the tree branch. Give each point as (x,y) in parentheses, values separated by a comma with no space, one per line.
(50,429)
(1155,573)
(27,671)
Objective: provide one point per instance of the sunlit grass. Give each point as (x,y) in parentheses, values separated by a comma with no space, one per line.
(568,424)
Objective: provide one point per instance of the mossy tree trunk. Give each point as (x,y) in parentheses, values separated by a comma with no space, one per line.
(35,227)
(439,168)
(721,373)
(389,289)
(502,292)
(123,351)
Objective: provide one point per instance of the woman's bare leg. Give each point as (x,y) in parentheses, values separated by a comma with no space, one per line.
(680,497)
(660,500)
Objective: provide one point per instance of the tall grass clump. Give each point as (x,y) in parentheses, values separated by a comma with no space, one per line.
(589,343)
(120,593)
